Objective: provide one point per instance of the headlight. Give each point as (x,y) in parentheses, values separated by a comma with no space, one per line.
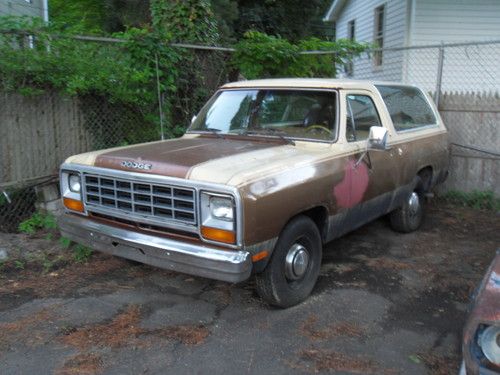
(222,208)
(74,183)
(218,218)
(489,341)
(71,191)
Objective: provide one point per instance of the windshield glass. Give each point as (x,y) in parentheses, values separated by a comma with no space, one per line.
(298,114)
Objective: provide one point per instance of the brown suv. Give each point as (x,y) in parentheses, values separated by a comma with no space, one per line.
(268,172)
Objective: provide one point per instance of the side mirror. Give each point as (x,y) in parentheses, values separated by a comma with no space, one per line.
(377,140)
(193,119)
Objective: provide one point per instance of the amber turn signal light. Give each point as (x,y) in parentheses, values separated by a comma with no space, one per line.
(219,235)
(73,204)
(260,256)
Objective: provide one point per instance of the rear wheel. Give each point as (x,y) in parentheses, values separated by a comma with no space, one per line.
(408,217)
(294,266)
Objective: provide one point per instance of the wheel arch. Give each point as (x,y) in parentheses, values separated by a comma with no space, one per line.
(426,176)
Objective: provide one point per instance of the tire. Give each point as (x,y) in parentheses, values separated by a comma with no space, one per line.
(409,216)
(288,279)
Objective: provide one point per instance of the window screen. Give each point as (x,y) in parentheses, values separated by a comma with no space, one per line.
(407,106)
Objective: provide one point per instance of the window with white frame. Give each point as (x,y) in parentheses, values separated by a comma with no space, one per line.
(378,35)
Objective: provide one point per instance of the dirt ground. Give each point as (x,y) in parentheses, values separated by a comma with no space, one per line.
(385,303)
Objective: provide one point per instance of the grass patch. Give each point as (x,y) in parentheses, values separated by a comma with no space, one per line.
(480,200)
(38,221)
(82,253)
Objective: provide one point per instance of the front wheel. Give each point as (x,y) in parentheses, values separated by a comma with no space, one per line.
(294,266)
(408,217)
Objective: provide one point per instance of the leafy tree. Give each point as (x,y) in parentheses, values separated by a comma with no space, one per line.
(185,20)
(226,14)
(100,16)
(290,19)
(259,55)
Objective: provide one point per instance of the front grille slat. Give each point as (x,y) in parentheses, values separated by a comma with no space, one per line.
(141,200)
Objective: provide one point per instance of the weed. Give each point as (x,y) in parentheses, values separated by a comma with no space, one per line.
(82,253)
(38,221)
(19,264)
(65,242)
(481,200)
(47,264)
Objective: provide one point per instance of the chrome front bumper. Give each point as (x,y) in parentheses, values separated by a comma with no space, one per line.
(198,260)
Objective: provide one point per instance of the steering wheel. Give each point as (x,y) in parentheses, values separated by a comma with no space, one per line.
(320,127)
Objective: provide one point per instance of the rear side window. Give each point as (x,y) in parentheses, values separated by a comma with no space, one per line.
(407,106)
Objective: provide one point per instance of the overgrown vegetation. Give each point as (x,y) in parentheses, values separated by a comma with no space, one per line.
(260,55)
(43,225)
(81,253)
(124,73)
(482,200)
(37,222)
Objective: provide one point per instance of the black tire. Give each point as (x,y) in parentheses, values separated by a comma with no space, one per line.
(408,218)
(273,284)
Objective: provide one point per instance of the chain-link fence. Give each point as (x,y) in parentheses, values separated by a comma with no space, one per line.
(38,132)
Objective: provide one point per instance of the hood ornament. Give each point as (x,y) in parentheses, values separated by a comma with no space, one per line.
(136,165)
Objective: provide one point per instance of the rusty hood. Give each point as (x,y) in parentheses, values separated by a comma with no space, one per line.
(175,158)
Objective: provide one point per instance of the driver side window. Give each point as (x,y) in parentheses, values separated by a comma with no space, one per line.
(361,116)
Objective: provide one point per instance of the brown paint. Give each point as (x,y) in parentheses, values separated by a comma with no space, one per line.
(272,201)
(176,157)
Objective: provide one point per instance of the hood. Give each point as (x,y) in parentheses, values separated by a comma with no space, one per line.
(174,158)
(232,161)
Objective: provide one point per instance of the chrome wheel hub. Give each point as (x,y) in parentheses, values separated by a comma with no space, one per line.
(296,262)
(414,204)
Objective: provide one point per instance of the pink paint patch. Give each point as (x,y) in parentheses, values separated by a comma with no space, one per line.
(350,191)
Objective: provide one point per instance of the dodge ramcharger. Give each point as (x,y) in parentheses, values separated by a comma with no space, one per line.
(267,173)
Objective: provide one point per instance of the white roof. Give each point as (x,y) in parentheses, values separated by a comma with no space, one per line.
(328,83)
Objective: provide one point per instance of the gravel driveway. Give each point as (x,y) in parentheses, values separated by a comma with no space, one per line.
(385,303)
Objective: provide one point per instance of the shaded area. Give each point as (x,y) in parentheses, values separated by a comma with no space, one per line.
(385,303)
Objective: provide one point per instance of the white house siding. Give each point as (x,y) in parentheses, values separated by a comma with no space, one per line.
(472,68)
(451,21)
(363,12)
(34,8)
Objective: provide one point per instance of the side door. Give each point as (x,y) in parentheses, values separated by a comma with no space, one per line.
(370,179)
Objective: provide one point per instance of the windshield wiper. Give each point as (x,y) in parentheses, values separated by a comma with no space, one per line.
(269,131)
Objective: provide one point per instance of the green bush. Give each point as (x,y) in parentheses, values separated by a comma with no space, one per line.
(37,222)
(259,55)
(81,253)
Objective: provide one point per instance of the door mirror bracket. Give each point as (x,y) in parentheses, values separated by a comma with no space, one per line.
(377,141)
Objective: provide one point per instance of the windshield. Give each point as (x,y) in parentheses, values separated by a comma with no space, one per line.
(298,114)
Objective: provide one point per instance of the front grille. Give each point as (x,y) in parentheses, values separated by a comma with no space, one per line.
(140,199)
